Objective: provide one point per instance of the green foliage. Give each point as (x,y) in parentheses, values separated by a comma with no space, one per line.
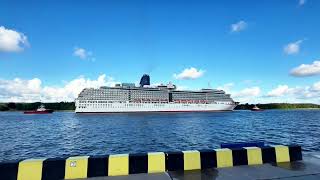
(277,106)
(11,105)
(3,107)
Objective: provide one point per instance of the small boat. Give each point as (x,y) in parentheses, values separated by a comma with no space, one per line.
(40,110)
(256,108)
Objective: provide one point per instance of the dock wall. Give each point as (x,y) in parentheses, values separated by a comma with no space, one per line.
(155,162)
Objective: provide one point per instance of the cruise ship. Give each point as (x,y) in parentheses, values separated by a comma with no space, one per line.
(127,97)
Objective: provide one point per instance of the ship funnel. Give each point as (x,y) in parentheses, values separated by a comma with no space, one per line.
(145,80)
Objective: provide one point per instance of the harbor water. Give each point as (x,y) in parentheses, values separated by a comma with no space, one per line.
(68,134)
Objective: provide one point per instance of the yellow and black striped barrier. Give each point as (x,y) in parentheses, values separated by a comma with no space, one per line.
(124,164)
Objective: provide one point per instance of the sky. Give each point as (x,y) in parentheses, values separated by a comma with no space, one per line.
(258,51)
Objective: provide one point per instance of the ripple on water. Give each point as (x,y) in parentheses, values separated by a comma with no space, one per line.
(63,134)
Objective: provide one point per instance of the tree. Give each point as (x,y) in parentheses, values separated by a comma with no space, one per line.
(12,105)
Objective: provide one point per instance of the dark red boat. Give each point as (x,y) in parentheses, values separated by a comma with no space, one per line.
(40,110)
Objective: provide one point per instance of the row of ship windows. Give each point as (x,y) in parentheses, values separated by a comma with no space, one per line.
(159,97)
(146,104)
(142,92)
(130,105)
(156,96)
(161,101)
(134,96)
(117,106)
(152,93)
(94,102)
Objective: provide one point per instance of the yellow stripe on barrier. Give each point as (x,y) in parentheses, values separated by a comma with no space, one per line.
(254,155)
(282,153)
(30,169)
(191,160)
(76,167)
(118,165)
(224,157)
(156,162)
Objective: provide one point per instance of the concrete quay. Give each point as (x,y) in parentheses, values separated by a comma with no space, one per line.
(307,169)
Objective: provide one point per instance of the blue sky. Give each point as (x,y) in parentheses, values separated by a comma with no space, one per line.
(247,48)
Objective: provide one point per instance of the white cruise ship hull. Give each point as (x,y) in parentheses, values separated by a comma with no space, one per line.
(152,107)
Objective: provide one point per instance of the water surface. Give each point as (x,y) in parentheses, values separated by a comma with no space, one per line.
(65,133)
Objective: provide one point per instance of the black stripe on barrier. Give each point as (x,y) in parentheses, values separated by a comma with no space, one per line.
(98,166)
(138,163)
(9,170)
(174,161)
(295,152)
(268,154)
(53,169)
(239,156)
(208,159)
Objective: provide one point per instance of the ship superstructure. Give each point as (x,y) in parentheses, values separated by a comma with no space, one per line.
(126,97)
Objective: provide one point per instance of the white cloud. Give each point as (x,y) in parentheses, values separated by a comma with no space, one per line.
(279,91)
(181,88)
(83,53)
(302,2)
(18,86)
(306,69)
(292,48)
(246,95)
(280,94)
(239,26)
(32,90)
(284,93)
(18,90)
(226,87)
(248,92)
(189,73)
(315,87)
(12,41)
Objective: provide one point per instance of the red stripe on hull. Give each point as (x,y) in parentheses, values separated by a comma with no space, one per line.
(39,112)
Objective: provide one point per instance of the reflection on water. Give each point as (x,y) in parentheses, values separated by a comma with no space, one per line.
(65,133)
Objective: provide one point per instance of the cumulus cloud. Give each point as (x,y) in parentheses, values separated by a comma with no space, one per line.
(189,73)
(248,92)
(11,40)
(83,54)
(315,87)
(19,90)
(309,93)
(306,69)
(239,26)
(302,2)
(226,87)
(292,48)
(279,91)
(282,93)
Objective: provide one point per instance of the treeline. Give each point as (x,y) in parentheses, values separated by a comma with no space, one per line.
(59,106)
(277,106)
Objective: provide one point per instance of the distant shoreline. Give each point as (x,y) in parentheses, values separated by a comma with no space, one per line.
(279,106)
(70,106)
(57,106)
(26,110)
(281,109)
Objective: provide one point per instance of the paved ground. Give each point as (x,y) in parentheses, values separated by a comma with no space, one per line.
(308,169)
